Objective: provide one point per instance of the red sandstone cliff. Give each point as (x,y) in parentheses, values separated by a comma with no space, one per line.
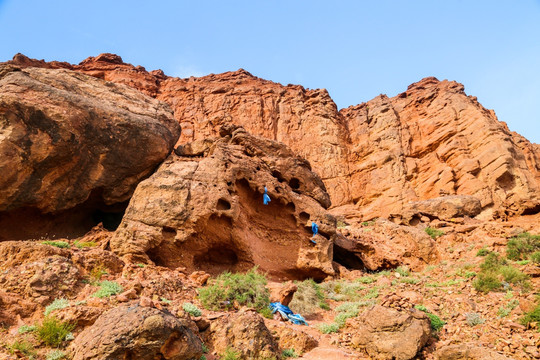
(430,141)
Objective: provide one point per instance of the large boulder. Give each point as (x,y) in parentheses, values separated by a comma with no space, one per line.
(134,332)
(443,208)
(384,245)
(203,209)
(245,333)
(69,140)
(387,334)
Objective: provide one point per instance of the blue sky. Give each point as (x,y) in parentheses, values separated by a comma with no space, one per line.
(355,49)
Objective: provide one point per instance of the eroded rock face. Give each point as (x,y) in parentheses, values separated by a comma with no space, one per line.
(246,333)
(135,332)
(384,245)
(468,352)
(430,141)
(68,139)
(205,211)
(386,333)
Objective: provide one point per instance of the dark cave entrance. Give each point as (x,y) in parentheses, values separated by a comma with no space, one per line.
(32,224)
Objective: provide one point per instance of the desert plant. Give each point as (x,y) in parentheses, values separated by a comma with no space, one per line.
(84,244)
(25,347)
(474,319)
(434,233)
(436,322)
(53,331)
(532,317)
(289,353)
(486,282)
(522,246)
(245,289)
(97,272)
(409,280)
(230,354)
(108,288)
(328,328)
(365,280)
(342,290)
(58,244)
(505,310)
(308,298)
(482,252)
(57,304)
(372,293)
(402,270)
(55,355)
(191,309)
(26,328)
(514,276)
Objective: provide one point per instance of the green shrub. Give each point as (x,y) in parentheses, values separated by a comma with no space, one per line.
(513,275)
(58,244)
(266,312)
(372,293)
(55,355)
(522,246)
(84,244)
(57,304)
(474,319)
(470,274)
(25,347)
(492,262)
(409,281)
(402,270)
(191,309)
(486,282)
(289,353)
(328,328)
(309,298)
(342,290)
(482,252)
(505,310)
(532,317)
(436,322)
(434,233)
(247,289)
(365,280)
(53,331)
(26,328)
(108,288)
(535,257)
(230,354)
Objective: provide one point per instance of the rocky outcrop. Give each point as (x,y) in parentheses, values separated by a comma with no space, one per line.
(69,140)
(384,245)
(386,333)
(468,352)
(134,332)
(293,338)
(430,141)
(434,140)
(203,209)
(245,333)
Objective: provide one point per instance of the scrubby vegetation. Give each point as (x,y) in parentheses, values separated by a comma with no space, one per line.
(497,274)
(108,288)
(434,233)
(436,322)
(26,329)
(309,298)
(58,244)
(230,354)
(84,244)
(227,289)
(24,347)
(55,355)
(191,309)
(53,331)
(523,247)
(532,316)
(57,304)
(289,353)
(474,319)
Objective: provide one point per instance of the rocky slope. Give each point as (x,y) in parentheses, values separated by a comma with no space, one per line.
(432,140)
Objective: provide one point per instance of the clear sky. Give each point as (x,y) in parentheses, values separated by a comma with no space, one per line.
(356,49)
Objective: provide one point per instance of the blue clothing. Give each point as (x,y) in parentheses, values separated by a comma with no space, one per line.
(287,313)
(266,198)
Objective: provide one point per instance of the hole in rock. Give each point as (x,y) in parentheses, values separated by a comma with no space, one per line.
(532,210)
(278,176)
(506,181)
(304,216)
(294,183)
(290,206)
(223,204)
